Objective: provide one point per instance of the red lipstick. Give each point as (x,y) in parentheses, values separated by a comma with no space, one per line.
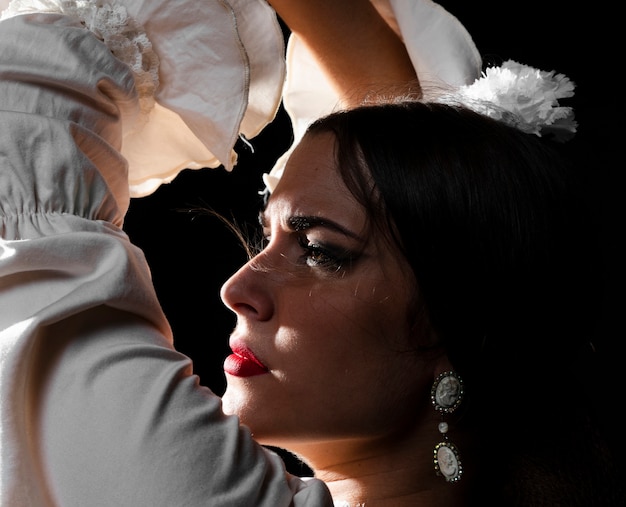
(243,363)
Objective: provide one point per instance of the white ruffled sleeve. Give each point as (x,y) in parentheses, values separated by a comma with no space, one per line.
(97,408)
(207,71)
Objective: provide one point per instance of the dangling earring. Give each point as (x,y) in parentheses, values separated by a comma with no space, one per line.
(446,395)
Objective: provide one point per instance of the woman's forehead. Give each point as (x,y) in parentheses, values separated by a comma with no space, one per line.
(311,180)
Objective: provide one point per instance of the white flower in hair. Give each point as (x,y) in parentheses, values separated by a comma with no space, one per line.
(524,97)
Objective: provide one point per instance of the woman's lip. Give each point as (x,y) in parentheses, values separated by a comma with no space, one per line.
(243,363)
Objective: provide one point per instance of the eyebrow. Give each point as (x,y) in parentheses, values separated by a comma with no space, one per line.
(301,223)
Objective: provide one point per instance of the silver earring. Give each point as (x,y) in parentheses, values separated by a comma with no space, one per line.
(446,395)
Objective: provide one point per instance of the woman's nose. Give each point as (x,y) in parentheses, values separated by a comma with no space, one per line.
(248,291)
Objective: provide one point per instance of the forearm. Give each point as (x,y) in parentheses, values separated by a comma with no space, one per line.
(356,48)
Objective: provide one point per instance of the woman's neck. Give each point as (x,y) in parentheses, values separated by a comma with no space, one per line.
(382,472)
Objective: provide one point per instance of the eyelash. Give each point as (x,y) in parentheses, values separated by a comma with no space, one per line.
(315,255)
(318,256)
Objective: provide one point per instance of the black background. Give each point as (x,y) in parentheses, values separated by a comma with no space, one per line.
(192,254)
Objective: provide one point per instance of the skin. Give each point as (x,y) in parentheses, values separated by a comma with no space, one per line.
(345,388)
(372,56)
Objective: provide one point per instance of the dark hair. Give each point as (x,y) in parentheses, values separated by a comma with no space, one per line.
(494,226)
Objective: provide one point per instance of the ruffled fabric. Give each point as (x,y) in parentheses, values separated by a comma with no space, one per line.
(112,25)
(78,106)
(441,50)
(206,72)
(97,408)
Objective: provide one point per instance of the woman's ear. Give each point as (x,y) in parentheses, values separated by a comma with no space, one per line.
(423,333)
(430,344)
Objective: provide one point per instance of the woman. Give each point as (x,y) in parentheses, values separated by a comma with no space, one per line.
(98,408)
(423,265)
(98,102)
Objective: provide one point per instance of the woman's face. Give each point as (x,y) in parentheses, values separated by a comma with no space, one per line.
(322,346)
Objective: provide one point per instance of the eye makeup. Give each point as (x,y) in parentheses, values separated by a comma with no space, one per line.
(301,223)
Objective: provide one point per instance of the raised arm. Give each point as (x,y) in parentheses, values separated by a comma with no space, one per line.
(97,408)
(354,45)
(344,53)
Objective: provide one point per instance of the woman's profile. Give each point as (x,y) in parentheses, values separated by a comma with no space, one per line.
(410,299)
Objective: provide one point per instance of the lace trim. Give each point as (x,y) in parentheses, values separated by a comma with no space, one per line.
(111,24)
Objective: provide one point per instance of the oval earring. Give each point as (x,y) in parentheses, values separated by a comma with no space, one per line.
(446,396)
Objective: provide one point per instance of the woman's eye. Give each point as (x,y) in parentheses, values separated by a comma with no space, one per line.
(319,256)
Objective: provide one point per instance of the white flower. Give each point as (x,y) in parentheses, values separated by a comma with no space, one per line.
(525,97)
